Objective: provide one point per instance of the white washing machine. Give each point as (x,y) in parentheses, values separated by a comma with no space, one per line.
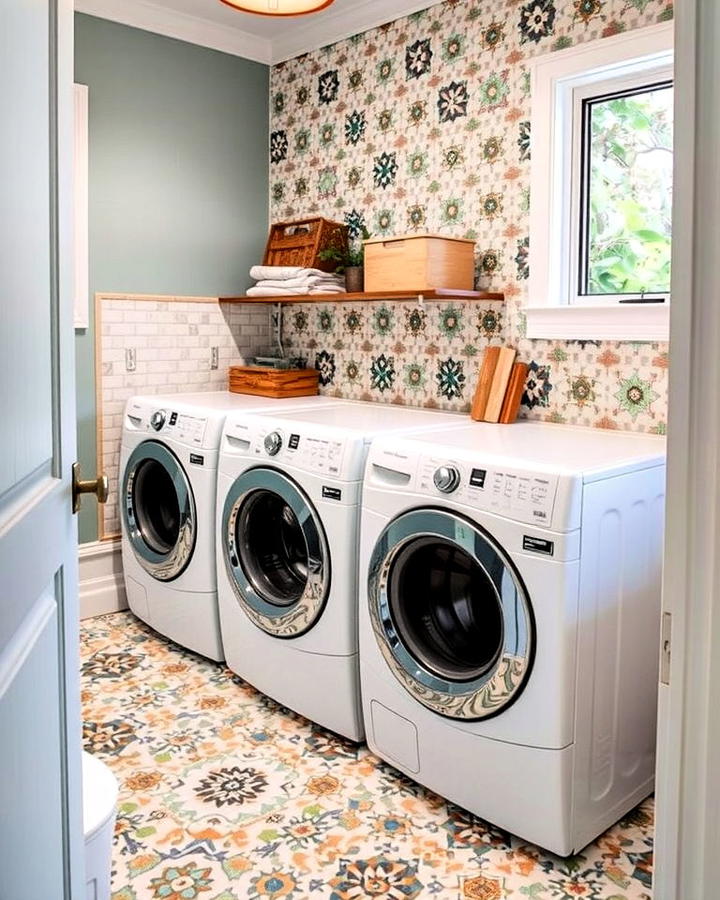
(288,513)
(168,470)
(509,621)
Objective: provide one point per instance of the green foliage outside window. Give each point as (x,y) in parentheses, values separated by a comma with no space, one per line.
(630,194)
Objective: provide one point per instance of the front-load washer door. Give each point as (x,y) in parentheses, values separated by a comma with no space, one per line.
(158,509)
(450,613)
(276,553)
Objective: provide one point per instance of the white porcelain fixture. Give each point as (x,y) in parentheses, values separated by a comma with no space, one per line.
(100,791)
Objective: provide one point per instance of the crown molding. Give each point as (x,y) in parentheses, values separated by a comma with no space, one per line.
(182,27)
(336,25)
(295,39)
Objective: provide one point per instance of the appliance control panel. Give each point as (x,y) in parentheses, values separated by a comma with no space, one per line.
(514,493)
(306,451)
(172,424)
(190,429)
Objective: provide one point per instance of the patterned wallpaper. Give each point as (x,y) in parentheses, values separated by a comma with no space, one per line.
(396,352)
(424,125)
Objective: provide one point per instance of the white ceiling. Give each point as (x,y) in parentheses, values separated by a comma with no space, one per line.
(211,23)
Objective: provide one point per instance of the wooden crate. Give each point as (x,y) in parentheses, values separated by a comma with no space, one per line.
(419,262)
(299,243)
(265,382)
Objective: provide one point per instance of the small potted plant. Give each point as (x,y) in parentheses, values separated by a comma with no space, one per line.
(349,261)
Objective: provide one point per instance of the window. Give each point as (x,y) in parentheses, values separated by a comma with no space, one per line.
(625,201)
(601,189)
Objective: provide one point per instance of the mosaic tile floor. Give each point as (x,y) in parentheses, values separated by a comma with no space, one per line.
(224,796)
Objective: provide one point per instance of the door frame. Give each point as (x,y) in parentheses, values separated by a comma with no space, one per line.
(688,784)
(38,533)
(688,780)
(66,437)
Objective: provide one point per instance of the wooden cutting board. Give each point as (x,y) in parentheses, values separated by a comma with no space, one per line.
(499,385)
(277,383)
(485,377)
(513,395)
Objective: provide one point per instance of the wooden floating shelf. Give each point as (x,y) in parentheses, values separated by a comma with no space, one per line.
(369,295)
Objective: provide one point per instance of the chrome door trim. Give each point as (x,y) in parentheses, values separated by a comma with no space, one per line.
(502,684)
(162,566)
(278,621)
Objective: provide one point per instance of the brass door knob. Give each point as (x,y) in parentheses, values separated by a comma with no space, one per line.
(98,486)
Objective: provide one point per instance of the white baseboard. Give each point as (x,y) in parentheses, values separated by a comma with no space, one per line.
(101,580)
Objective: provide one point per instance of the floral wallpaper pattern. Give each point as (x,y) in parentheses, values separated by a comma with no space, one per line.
(395,352)
(224,796)
(424,125)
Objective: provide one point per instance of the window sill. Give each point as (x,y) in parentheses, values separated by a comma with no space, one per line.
(641,322)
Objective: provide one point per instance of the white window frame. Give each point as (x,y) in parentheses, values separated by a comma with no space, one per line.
(559,84)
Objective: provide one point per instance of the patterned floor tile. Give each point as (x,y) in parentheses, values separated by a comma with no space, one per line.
(224,795)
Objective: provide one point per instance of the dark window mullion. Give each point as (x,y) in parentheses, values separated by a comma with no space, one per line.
(583,245)
(583,242)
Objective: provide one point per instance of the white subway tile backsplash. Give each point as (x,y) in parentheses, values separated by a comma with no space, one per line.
(172,341)
(118,328)
(156,379)
(136,316)
(178,379)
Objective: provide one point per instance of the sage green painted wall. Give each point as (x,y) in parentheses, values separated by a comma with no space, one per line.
(178,181)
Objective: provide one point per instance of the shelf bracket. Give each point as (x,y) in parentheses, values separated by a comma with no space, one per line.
(421,301)
(276,323)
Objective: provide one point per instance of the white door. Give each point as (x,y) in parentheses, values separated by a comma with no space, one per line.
(41,842)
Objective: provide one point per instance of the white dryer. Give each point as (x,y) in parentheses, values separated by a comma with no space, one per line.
(168,469)
(509,621)
(288,513)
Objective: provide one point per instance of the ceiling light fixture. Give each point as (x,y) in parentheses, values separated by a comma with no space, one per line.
(278,7)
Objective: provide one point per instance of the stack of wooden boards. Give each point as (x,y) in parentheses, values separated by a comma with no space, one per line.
(500,387)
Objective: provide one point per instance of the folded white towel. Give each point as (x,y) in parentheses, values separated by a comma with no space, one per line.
(277,272)
(338,289)
(260,291)
(283,273)
(310,281)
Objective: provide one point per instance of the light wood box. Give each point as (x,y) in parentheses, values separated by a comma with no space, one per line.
(419,262)
(277,383)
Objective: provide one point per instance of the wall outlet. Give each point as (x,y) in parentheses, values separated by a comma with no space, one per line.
(214,357)
(130,360)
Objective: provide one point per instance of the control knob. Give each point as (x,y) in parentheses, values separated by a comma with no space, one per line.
(446,479)
(157,419)
(273,443)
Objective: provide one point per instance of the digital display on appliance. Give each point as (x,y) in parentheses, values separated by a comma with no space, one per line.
(294,441)
(477,477)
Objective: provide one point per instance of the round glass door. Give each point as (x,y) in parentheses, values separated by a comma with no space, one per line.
(450,614)
(275,552)
(158,511)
